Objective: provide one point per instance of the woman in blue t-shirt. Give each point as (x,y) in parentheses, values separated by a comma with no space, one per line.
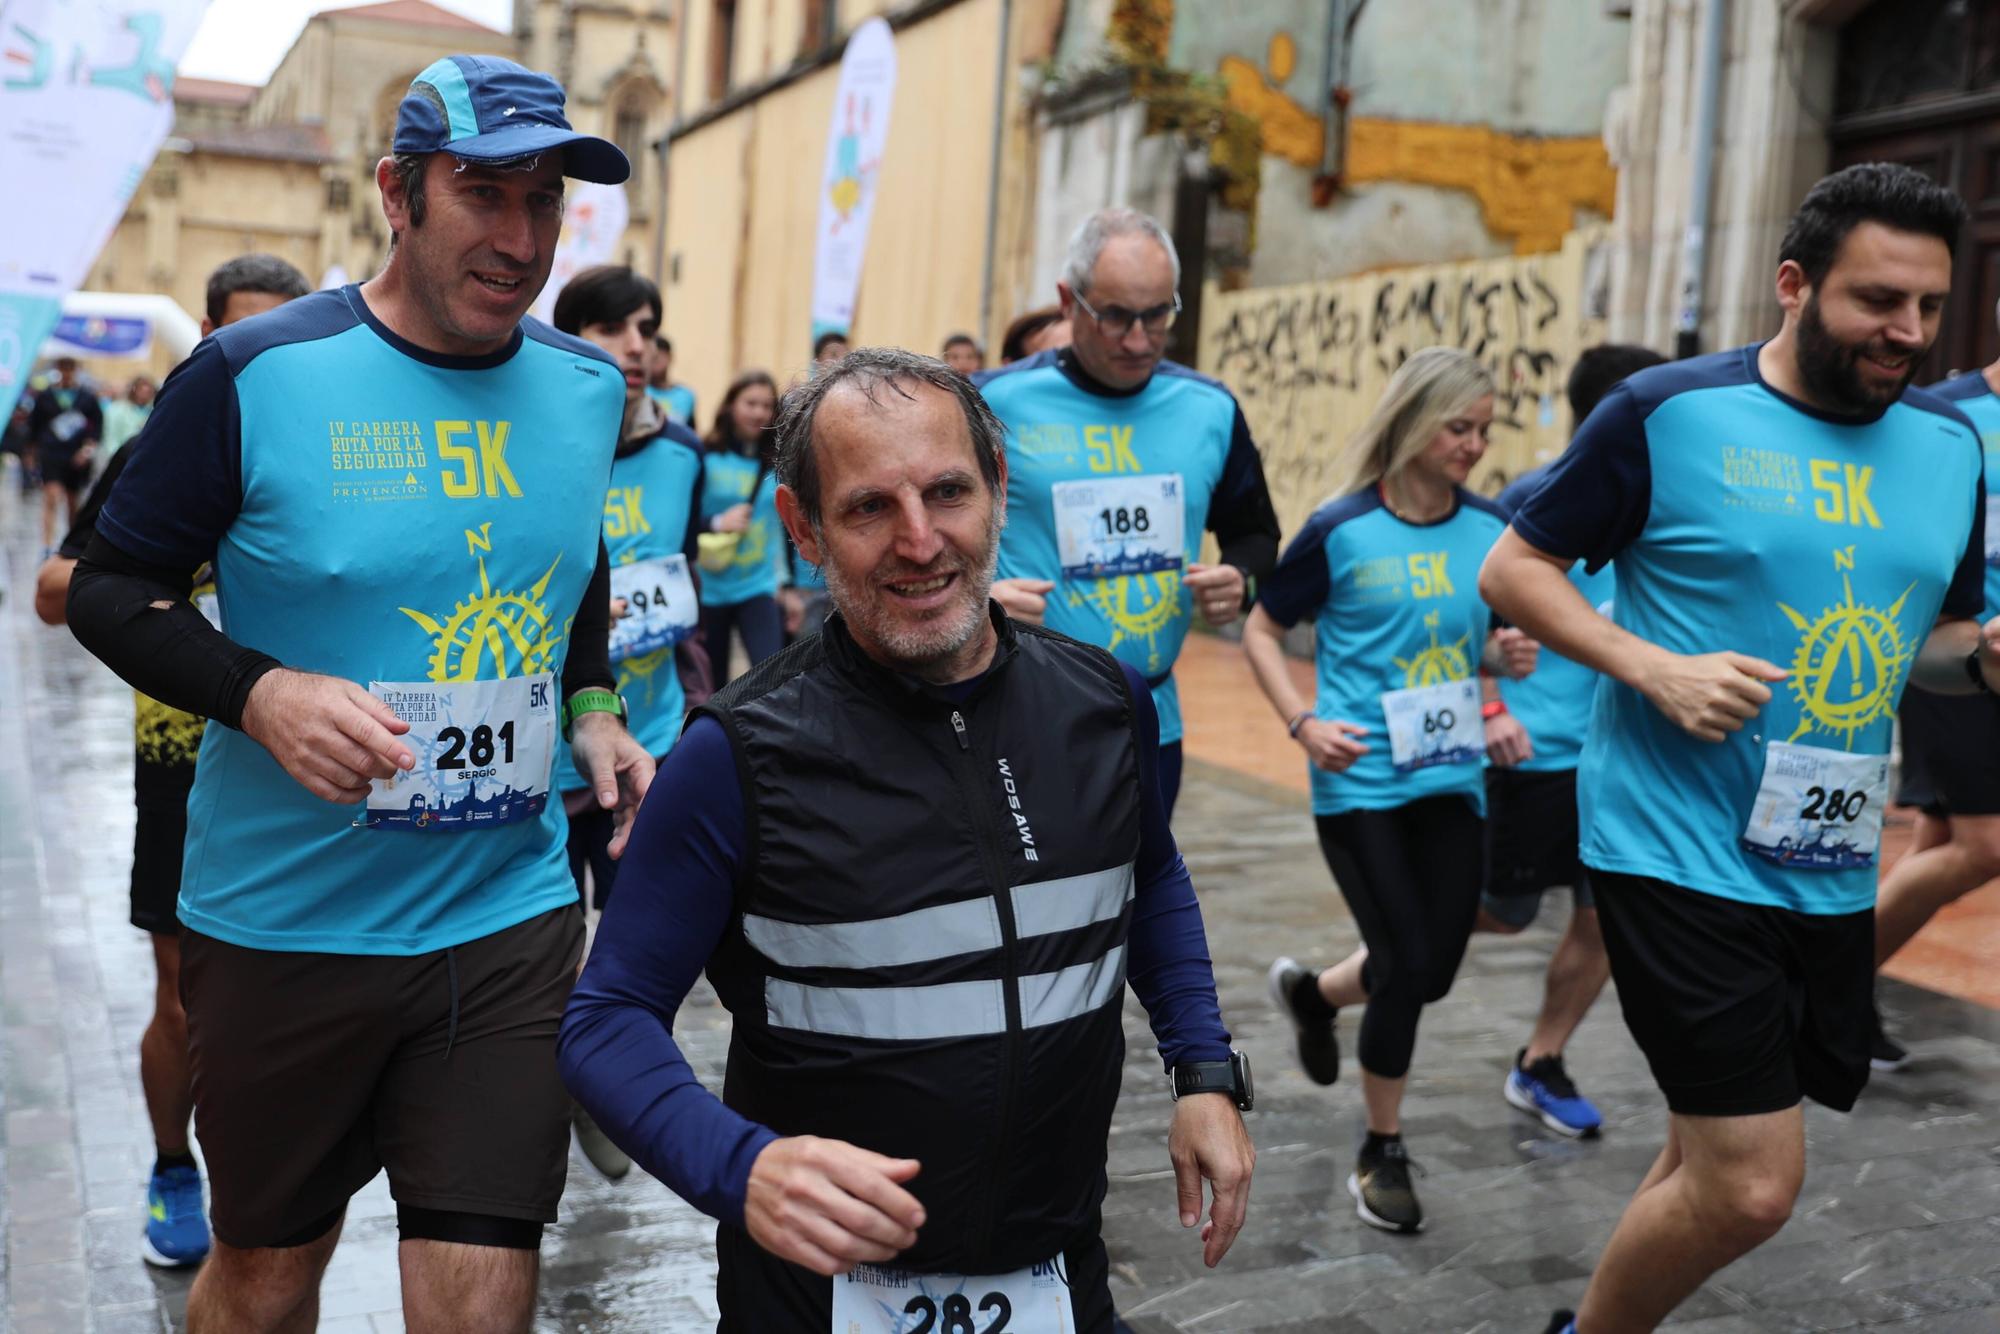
(1388,571)
(739,496)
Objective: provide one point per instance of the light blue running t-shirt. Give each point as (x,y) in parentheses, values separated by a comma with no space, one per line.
(1553,702)
(1398,634)
(380,513)
(1108,495)
(1972,395)
(1744,520)
(755,570)
(650,520)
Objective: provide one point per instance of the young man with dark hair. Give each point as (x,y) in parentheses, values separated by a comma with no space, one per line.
(676,399)
(1539,722)
(401,486)
(652,520)
(165,740)
(1793,503)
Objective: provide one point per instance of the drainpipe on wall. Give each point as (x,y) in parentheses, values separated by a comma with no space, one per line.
(1694,245)
(993,176)
(665,148)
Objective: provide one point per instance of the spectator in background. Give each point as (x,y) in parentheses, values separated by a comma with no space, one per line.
(65,423)
(963,354)
(124,417)
(829,347)
(676,399)
(1036,331)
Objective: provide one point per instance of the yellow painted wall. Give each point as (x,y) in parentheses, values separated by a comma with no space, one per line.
(745,210)
(1308,362)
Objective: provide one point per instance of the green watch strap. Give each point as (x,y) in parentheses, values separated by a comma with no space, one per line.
(590,700)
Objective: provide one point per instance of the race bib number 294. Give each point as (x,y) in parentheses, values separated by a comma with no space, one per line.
(871,1299)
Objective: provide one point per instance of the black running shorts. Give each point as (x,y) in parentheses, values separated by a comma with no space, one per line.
(1740,1008)
(1531,842)
(313,1072)
(1949,747)
(158,835)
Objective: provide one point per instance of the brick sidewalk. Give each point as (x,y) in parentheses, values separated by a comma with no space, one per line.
(1899,1227)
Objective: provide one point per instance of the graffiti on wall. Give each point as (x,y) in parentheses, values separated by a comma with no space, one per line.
(1307,362)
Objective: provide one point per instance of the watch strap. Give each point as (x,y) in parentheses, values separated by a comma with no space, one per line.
(592,699)
(1231,1077)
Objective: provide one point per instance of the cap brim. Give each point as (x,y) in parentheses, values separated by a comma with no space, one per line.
(585,157)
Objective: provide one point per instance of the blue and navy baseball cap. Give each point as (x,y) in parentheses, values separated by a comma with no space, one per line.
(485,109)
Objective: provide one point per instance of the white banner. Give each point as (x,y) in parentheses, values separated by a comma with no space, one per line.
(854,143)
(594,218)
(86,96)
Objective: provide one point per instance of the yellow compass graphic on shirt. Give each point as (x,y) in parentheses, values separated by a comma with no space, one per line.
(493,634)
(1139,606)
(1438,662)
(1849,661)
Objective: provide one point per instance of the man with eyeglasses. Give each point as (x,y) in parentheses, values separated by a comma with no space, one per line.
(1118,459)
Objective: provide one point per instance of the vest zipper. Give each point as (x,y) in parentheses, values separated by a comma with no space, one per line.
(1010,987)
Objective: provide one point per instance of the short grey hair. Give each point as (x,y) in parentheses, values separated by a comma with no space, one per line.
(871,370)
(1086,243)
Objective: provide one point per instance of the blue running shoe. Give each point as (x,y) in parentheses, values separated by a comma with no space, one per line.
(176,1228)
(1544,1090)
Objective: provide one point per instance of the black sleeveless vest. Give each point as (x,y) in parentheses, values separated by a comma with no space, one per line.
(927,952)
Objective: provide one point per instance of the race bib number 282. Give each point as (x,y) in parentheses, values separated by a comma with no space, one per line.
(871,1299)
(484,750)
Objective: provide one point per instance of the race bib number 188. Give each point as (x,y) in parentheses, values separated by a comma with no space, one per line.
(484,751)
(870,1299)
(1117,526)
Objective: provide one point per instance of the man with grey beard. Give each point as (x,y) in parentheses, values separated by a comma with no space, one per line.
(919,855)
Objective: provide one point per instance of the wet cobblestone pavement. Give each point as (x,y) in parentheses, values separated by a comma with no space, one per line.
(1899,1226)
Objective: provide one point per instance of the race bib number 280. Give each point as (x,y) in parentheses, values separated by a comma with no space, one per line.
(483,748)
(1818,809)
(871,1299)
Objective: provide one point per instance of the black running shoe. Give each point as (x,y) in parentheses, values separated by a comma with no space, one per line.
(1561,1323)
(1381,1188)
(1319,1049)
(1883,1054)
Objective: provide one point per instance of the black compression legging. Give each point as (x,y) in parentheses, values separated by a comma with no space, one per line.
(1411,878)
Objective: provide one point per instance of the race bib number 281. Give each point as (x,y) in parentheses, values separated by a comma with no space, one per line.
(484,750)
(871,1299)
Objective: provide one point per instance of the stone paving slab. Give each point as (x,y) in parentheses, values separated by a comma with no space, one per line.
(1898,1228)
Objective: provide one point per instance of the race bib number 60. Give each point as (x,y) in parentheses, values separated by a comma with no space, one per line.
(484,751)
(1434,724)
(870,1299)
(1117,526)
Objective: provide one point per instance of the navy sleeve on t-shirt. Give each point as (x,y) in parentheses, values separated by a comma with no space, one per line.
(1596,496)
(184,484)
(675,899)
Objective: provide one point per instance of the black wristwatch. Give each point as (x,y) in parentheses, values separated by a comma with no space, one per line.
(1231,1076)
(1975,673)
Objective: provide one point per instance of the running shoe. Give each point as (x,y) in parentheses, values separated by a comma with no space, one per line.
(1883,1053)
(605,1156)
(176,1234)
(1319,1048)
(1545,1090)
(1381,1188)
(1562,1322)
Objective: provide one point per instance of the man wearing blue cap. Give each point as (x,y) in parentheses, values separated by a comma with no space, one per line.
(400,488)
